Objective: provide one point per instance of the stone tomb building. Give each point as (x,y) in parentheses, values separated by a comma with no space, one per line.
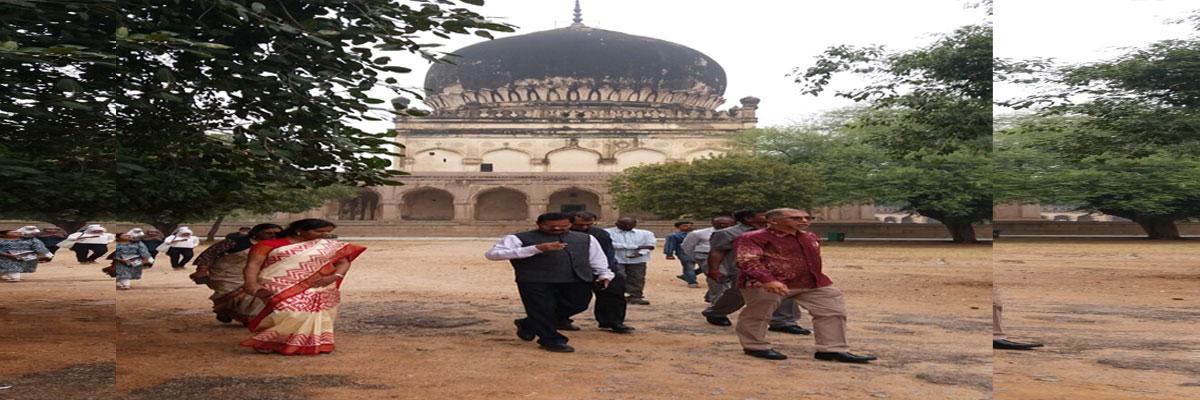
(539,122)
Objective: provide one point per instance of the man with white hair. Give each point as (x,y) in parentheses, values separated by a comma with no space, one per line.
(180,247)
(780,262)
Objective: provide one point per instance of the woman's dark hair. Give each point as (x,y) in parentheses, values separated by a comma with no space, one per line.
(262,227)
(306,224)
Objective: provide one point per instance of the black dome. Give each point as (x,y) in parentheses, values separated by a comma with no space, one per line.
(581,53)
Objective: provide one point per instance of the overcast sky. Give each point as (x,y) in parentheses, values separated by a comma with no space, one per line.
(758,42)
(1082,31)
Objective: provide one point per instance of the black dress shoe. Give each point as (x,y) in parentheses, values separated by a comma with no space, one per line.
(792,329)
(557,348)
(1005,344)
(224,318)
(522,333)
(568,327)
(845,357)
(618,328)
(718,321)
(637,300)
(769,354)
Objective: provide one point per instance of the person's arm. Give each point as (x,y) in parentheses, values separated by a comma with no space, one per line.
(509,248)
(648,241)
(688,246)
(720,243)
(41,250)
(599,262)
(254,263)
(340,267)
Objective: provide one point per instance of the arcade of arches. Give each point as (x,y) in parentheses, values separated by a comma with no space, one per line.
(471,203)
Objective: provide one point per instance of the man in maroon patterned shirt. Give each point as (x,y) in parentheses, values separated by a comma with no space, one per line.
(784,261)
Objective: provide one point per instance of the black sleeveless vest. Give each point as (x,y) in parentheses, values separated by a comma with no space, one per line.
(560,266)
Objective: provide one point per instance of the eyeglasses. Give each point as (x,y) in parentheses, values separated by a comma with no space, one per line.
(802,218)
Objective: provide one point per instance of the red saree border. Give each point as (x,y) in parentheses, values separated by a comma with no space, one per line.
(348,251)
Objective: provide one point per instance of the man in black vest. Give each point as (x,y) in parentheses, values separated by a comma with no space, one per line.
(556,269)
(610,301)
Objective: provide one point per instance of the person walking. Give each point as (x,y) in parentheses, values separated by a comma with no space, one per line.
(180,247)
(89,244)
(220,267)
(784,261)
(555,269)
(297,278)
(632,248)
(722,268)
(696,245)
(610,301)
(673,249)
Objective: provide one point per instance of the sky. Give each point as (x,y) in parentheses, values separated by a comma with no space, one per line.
(758,42)
(1081,31)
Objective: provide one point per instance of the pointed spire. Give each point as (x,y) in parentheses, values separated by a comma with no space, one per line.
(578,15)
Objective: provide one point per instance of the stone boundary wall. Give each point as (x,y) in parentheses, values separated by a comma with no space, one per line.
(1063,228)
(480,229)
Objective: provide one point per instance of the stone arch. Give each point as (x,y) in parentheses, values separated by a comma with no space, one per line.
(501,204)
(507,160)
(1062,217)
(572,159)
(364,207)
(437,160)
(427,204)
(639,156)
(703,153)
(574,199)
(890,220)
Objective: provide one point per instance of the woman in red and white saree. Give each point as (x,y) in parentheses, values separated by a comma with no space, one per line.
(295,281)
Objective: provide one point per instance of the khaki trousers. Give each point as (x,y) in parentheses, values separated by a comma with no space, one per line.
(997,309)
(825,304)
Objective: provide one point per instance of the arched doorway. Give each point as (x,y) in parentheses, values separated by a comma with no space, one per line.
(365,207)
(574,199)
(428,204)
(502,204)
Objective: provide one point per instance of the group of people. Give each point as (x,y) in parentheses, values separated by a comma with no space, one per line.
(764,261)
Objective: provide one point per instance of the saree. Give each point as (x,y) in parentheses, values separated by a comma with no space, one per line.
(297,318)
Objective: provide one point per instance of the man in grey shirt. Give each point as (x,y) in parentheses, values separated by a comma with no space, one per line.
(722,267)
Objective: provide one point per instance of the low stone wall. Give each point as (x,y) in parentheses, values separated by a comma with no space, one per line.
(451,229)
(1066,228)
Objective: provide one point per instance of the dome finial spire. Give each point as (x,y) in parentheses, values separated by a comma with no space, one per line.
(578,15)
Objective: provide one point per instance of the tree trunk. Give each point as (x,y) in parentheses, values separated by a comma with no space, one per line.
(212,233)
(1158,228)
(167,228)
(69,226)
(961,232)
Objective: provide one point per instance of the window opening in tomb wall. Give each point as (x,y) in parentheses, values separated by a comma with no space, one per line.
(428,205)
(573,199)
(437,160)
(501,205)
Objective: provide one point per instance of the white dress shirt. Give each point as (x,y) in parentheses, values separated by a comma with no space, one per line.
(627,242)
(189,242)
(92,238)
(696,242)
(509,248)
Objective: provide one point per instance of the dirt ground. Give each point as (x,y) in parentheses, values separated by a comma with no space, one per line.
(433,320)
(1120,320)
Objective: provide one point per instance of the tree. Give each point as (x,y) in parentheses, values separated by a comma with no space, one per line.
(169,111)
(1117,136)
(1039,160)
(930,116)
(714,186)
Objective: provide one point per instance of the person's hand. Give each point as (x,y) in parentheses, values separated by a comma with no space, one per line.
(776,287)
(551,246)
(325,281)
(670,257)
(716,275)
(603,283)
(254,289)
(200,276)
(10,256)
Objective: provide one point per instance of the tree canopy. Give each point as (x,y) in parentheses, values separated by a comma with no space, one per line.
(180,110)
(1119,136)
(928,127)
(715,186)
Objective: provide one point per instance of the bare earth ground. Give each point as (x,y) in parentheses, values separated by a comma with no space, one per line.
(1120,320)
(433,320)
